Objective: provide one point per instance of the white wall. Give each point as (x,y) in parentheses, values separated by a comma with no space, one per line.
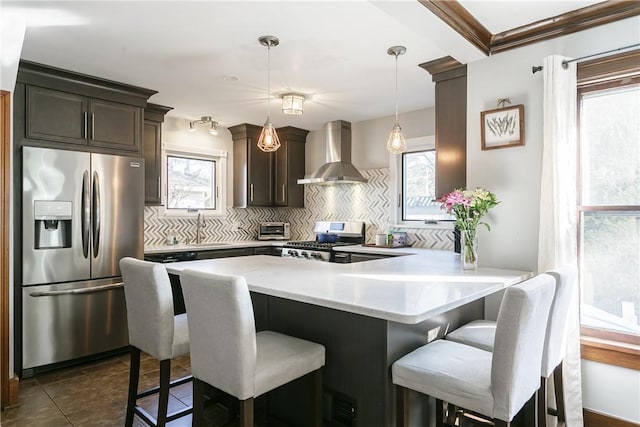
(369,139)
(11,39)
(611,390)
(514,175)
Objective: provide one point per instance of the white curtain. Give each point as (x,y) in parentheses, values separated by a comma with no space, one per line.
(557,238)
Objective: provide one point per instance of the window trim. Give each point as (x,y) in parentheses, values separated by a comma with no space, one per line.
(622,69)
(219,157)
(421,143)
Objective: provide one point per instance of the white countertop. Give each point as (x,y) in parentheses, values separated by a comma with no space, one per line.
(159,249)
(404,289)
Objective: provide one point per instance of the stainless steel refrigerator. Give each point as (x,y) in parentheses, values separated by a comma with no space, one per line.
(81,213)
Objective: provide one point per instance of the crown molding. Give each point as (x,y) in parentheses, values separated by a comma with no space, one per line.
(459,19)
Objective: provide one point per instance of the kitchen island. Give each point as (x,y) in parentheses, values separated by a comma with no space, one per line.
(367,315)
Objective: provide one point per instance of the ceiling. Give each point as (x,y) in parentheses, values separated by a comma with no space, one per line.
(204,58)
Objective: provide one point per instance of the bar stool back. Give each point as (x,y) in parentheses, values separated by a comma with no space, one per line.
(226,352)
(154,329)
(481,334)
(496,385)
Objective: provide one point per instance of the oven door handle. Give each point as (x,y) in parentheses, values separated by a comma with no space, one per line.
(78,291)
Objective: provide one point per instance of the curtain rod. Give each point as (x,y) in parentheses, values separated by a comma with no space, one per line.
(565,64)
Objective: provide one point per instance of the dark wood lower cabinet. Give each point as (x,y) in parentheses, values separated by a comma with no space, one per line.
(360,350)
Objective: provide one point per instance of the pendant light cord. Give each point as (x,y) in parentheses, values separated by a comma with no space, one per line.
(269,83)
(396,55)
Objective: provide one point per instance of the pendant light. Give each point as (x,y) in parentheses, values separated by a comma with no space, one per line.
(396,143)
(268,140)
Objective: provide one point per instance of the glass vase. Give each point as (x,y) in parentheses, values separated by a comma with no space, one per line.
(469,249)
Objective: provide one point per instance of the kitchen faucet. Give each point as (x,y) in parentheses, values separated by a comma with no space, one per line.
(199,224)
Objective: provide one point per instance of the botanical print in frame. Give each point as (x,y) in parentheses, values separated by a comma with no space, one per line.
(502,127)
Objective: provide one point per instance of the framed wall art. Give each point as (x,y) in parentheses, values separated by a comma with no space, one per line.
(502,127)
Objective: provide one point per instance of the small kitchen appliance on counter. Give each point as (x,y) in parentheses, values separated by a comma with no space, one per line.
(329,234)
(274,231)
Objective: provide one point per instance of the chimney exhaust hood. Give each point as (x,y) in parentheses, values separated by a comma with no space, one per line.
(338,168)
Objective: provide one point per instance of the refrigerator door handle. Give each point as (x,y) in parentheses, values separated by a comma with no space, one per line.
(85,214)
(96,214)
(78,291)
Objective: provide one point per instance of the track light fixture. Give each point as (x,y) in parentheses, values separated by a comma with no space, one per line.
(213,128)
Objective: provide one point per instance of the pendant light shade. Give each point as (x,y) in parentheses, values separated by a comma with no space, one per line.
(268,140)
(396,143)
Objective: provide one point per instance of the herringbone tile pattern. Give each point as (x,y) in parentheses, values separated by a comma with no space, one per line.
(364,202)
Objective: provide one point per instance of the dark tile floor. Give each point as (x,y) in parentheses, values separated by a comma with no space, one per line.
(95,394)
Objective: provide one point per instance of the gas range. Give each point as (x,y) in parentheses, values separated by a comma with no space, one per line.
(348,233)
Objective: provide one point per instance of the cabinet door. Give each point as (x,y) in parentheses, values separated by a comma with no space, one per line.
(52,115)
(115,125)
(224,253)
(289,167)
(295,171)
(267,250)
(152,162)
(260,172)
(281,174)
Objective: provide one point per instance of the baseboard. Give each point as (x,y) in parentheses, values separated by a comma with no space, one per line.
(13,391)
(596,419)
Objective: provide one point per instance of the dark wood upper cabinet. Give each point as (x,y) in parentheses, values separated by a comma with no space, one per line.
(252,168)
(451,123)
(55,116)
(114,125)
(267,179)
(64,109)
(152,152)
(289,167)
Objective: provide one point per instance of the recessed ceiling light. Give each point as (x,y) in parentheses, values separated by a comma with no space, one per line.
(230,78)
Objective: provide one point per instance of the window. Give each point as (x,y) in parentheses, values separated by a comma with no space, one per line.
(193,182)
(413,192)
(418,185)
(609,209)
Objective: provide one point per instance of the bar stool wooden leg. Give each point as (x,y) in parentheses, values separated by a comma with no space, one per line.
(559,389)
(439,413)
(530,412)
(163,397)
(134,372)
(542,403)
(451,414)
(246,412)
(402,406)
(198,402)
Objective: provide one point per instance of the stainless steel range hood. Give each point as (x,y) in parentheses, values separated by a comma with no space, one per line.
(338,168)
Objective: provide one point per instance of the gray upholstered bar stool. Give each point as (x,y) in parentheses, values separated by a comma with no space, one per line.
(495,385)
(226,352)
(154,329)
(481,334)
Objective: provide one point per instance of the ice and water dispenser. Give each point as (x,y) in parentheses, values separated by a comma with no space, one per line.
(52,222)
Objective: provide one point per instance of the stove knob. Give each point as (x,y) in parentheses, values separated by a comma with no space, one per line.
(316,255)
(304,254)
(293,253)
